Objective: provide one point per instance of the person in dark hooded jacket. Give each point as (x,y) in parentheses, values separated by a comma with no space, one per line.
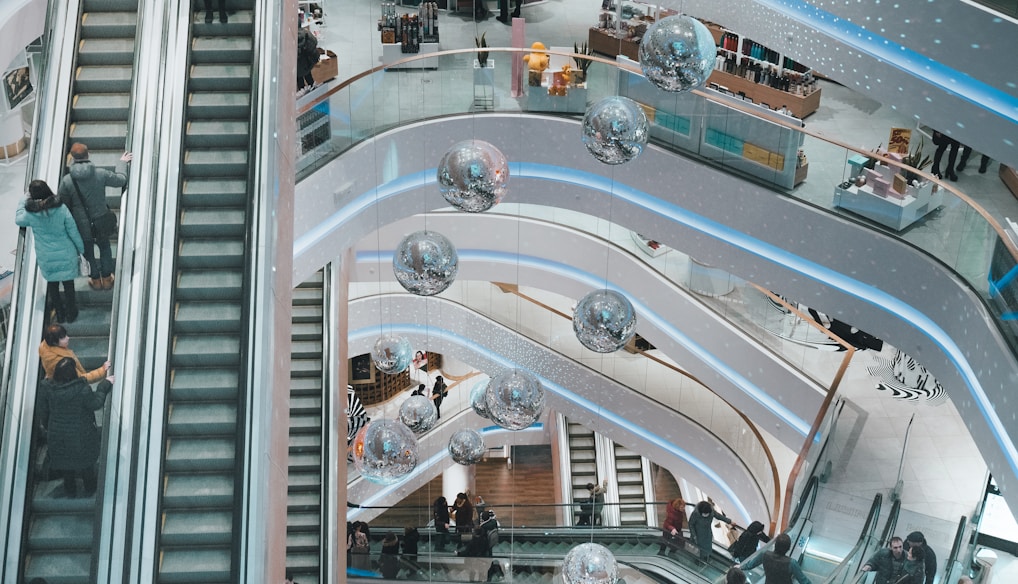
(57,245)
(83,190)
(67,412)
(307,57)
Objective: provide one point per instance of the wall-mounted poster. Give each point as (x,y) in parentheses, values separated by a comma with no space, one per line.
(17,86)
(362,370)
(898,142)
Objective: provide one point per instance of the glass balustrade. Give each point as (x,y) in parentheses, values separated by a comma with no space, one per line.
(741,137)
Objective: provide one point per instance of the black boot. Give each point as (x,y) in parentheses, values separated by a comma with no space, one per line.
(70,302)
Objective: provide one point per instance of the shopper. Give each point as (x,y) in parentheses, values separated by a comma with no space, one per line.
(778,567)
(222,12)
(887,563)
(464,514)
(307,58)
(55,346)
(671,529)
(388,557)
(359,544)
(915,567)
(917,539)
(57,245)
(503,10)
(83,190)
(440,514)
(735,576)
(411,538)
(700,529)
(439,391)
(67,410)
(944,142)
(966,152)
(748,541)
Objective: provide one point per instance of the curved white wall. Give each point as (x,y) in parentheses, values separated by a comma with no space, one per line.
(880,284)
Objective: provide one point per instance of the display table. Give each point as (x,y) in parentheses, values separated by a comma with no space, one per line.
(648,246)
(892,212)
(1010,178)
(392,52)
(800,105)
(603,41)
(538,98)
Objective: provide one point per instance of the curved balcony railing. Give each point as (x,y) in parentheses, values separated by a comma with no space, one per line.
(955,229)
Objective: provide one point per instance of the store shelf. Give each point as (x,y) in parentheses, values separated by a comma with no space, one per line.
(799,105)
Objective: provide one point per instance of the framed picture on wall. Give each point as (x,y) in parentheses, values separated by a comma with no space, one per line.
(17,86)
(362,370)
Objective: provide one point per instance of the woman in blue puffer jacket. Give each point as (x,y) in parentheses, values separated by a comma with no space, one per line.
(57,246)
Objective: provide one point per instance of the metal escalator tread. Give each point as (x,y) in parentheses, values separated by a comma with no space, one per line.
(304,487)
(196,539)
(59,543)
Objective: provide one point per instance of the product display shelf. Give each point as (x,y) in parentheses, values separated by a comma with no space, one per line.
(540,99)
(799,106)
(392,52)
(621,26)
(893,209)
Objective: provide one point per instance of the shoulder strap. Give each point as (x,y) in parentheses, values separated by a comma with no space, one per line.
(81,200)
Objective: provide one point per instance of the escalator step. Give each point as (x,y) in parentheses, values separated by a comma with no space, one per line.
(305,462)
(208,284)
(197,454)
(304,367)
(308,296)
(306,481)
(214,95)
(110,6)
(191,564)
(308,314)
(305,405)
(211,254)
(306,424)
(100,135)
(305,442)
(66,530)
(306,331)
(221,50)
(100,106)
(208,350)
(206,317)
(218,162)
(210,384)
(109,24)
(303,501)
(113,78)
(217,133)
(240,23)
(306,384)
(221,77)
(212,222)
(199,527)
(59,567)
(214,192)
(307,350)
(181,490)
(202,419)
(302,541)
(102,52)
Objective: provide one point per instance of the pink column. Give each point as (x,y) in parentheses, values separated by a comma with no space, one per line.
(518,34)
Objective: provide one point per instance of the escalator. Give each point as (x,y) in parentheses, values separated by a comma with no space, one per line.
(60,541)
(582,461)
(304,490)
(196,538)
(630,470)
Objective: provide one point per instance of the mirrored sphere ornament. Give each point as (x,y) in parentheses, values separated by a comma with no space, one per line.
(477,400)
(590,563)
(466,446)
(604,321)
(615,130)
(473,176)
(425,263)
(677,53)
(392,354)
(514,399)
(418,413)
(385,451)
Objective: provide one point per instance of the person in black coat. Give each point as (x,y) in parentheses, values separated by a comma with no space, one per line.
(411,537)
(438,393)
(917,539)
(748,541)
(440,513)
(67,412)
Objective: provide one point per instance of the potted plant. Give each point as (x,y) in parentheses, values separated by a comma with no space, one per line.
(916,160)
(580,74)
(482,56)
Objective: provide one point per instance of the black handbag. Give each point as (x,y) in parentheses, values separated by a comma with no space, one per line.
(105,225)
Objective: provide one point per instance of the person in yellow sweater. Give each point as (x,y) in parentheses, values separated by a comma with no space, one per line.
(54,347)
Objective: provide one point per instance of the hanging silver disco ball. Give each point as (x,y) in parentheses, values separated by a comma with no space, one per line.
(384,451)
(590,563)
(392,354)
(514,399)
(604,321)
(425,263)
(418,413)
(466,447)
(477,399)
(677,53)
(615,130)
(473,176)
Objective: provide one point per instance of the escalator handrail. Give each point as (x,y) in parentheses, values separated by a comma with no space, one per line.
(861,545)
(806,500)
(891,524)
(959,541)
